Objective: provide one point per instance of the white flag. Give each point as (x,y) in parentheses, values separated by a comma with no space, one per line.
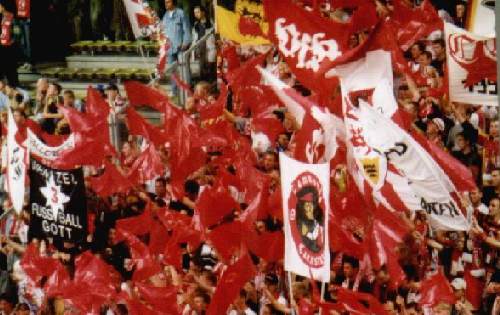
(41,150)
(140,19)
(428,181)
(471,59)
(305,190)
(16,166)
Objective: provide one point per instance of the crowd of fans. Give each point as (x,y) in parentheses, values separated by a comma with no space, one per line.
(469,260)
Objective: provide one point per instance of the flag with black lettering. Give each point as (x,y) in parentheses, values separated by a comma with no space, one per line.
(16,165)
(57,202)
(241,21)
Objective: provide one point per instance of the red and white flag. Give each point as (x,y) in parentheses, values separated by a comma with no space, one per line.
(16,165)
(305,190)
(472,67)
(316,141)
(430,184)
(140,19)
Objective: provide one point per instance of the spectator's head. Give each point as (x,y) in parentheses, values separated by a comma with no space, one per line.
(460,8)
(416,50)
(69,98)
(442,309)
(22,309)
(200,12)
(269,161)
(170,4)
(475,196)
(494,128)
(7,304)
(240,301)
(459,286)
(390,308)
(54,89)
(382,275)
(42,85)
(10,90)
(495,177)
(494,206)
(425,58)
(2,85)
(462,142)
(192,188)
(161,187)
(271,281)
(112,91)
(435,127)
(19,116)
(349,267)
(201,90)
(438,47)
(200,300)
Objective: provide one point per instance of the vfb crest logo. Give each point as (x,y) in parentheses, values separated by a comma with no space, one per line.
(307,218)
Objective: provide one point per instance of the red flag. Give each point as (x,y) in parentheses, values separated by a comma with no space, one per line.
(57,282)
(136,225)
(436,289)
(246,75)
(145,264)
(271,127)
(35,266)
(158,237)
(269,245)
(147,166)
(214,110)
(414,24)
(110,182)
(137,125)
(228,288)
(96,105)
(163,299)
(227,239)
(183,85)
(140,94)
(310,44)
(214,204)
(230,55)
(387,234)
(248,26)
(359,303)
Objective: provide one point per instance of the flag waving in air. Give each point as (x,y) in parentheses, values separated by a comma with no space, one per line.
(305,192)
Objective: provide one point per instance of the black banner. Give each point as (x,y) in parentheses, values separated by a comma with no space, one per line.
(57,202)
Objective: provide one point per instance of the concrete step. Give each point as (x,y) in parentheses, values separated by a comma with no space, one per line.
(117,62)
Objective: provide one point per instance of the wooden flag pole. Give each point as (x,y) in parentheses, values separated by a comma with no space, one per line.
(322,297)
(291,292)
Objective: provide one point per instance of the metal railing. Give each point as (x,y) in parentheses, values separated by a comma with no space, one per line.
(184,63)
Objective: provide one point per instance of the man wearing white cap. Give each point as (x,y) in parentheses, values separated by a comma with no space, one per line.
(462,306)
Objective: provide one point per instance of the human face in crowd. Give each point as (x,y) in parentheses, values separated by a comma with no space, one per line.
(494,206)
(18,118)
(198,14)
(52,90)
(415,51)
(23,309)
(160,189)
(495,178)
(111,94)
(438,50)
(2,9)
(199,304)
(348,270)
(69,100)
(169,5)
(494,128)
(460,10)
(268,162)
(424,60)
(460,142)
(475,197)
(432,129)
(5,306)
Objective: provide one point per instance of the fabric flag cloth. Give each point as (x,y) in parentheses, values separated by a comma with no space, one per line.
(472,70)
(110,182)
(57,203)
(316,141)
(142,95)
(228,287)
(139,18)
(241,21)
(48,153)
(435,190)
(16,166)
(436,289)
(306,191)
(309,43)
